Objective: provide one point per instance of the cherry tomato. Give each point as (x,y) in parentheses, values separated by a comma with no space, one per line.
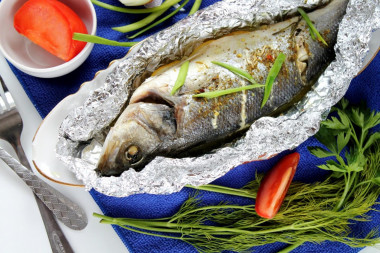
(51,24)
(275,185)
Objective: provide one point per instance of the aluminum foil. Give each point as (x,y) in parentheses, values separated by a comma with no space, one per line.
(83,131)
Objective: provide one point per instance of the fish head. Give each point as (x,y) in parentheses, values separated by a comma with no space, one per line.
(126,148)
(135,138)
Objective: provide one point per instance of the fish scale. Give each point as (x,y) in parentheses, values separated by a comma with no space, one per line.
(197,122)
(230,115)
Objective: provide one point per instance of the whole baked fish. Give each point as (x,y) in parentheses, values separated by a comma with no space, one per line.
(156,123)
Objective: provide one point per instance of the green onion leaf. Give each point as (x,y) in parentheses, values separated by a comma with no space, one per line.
(181,77)
(242,73)
(100,40)
(196,5)
(313,31)
(311,34)
(218,93)
(159,21)
(165,5)
(141,23)
(273,72)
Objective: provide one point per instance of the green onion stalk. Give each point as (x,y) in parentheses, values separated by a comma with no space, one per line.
(99,40)
(167,4)
(141,23)
(272,75)
(159,21)
(313,31)
(180,81)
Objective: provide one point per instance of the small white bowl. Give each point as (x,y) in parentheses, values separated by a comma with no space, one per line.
(31,58)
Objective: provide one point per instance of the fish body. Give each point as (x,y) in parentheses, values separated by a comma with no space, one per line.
(156,123)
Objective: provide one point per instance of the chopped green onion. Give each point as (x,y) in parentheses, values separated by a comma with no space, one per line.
(236,71)
(312,34)
(273,72)
(181,77)
(218,93)
(196,5)
(313,31)
(141,23)
(165,5)
(159,21)
(100,40)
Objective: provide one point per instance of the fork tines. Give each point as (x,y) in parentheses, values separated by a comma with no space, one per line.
(6,100)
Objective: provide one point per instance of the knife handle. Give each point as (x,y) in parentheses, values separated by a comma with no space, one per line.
(63,208)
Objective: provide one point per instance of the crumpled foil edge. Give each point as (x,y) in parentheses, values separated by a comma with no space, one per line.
(265,138)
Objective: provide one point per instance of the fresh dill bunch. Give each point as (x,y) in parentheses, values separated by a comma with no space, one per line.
(307,215)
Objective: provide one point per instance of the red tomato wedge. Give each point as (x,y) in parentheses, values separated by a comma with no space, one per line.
(51,24)
(275,185)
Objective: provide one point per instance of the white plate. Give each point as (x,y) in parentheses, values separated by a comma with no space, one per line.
(46,137)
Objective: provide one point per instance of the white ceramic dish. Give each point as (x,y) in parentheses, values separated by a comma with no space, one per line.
(32,59)
(44,156)
(46,137)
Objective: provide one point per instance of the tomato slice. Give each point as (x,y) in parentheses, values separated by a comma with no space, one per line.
(50,24)
(275,185)
(76,25)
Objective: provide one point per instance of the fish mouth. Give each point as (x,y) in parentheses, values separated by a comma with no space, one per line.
(302,56)
(106,165)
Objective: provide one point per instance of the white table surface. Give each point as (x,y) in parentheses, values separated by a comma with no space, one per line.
(21,226)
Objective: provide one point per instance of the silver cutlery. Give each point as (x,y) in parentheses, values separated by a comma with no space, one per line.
(50,202)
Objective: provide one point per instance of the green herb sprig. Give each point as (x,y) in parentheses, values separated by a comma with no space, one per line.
(159,21)
(195,8)
(348,133)
(100,40)
(272,75)
(181,77)
(237,71)
(165,5)
(141,23)
(313,31)
(273,72)
(218,93)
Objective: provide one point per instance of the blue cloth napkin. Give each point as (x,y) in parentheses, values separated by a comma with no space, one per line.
(46,93)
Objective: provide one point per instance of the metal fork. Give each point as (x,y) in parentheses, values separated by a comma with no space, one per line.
(50,202)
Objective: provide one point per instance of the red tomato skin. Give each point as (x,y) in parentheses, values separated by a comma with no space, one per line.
(50,24)
(76,25)
(275,185)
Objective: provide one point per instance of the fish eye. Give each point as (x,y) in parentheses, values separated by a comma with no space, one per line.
(133,154)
